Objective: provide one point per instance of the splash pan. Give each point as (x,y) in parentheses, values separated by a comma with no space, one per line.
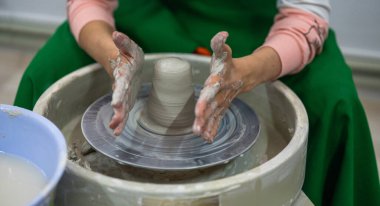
(273,167)
(140,147)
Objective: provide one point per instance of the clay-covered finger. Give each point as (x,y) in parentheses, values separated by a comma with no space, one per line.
(128,47)
(124,113)
(214,119)
(223,98)
(211,128)
(215,112)
(218,101)
(198,126)
(122,42)
(121,110)
(122,84)
(121,113)
(207,95)
(120,127)
(119,92)
(211,87)
(212,79)
(204,109)
(209,92)
(118,116)
(217,42)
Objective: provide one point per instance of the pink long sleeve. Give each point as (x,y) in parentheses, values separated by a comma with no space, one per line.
(297,36)
(81,12)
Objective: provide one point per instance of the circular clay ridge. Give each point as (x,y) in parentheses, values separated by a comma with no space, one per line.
(171,102)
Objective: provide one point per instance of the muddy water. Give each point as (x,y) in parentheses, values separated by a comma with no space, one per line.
(269,143)
(20,180)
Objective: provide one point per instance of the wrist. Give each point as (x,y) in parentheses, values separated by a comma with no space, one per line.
(261,66)
(268,64)
(96,39)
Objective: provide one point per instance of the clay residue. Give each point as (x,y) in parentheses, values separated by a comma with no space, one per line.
(81,154)
(11,112)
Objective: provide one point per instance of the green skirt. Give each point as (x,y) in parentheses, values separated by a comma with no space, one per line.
(341,167)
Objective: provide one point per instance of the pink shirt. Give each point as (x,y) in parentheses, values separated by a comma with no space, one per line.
(297,35)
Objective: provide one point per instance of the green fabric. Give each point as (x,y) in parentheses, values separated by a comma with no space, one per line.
(59,56)
(341,167)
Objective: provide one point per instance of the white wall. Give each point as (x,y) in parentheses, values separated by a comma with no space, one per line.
(357,23)
(32,15)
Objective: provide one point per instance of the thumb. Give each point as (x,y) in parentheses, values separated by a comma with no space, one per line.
(123,42)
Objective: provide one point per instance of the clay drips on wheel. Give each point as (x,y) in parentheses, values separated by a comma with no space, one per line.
(170,107)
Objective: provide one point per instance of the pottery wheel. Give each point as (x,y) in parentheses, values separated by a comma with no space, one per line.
(140,147)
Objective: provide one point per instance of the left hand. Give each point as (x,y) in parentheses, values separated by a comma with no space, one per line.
(229,77)
(127,69)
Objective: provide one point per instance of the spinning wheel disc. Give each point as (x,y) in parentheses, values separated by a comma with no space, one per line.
(140,147)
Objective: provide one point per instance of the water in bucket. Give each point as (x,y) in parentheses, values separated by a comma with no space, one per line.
(21,180)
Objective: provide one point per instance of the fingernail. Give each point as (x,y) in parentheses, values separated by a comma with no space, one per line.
(116,132)
(196,129)
(207,138)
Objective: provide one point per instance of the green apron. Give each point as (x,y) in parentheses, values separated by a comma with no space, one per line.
(341,167)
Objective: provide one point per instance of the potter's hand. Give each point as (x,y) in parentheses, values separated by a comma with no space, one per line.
(220,88)
(230,77)
(127,67)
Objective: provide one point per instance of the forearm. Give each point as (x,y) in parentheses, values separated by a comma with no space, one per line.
(269,63)
(92,24)
(261,66)
(81,12)
(96,39)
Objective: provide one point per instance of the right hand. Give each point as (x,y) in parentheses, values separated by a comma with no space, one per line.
(127,68)
(230,77)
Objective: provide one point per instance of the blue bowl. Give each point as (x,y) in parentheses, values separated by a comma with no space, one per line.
(33,137)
